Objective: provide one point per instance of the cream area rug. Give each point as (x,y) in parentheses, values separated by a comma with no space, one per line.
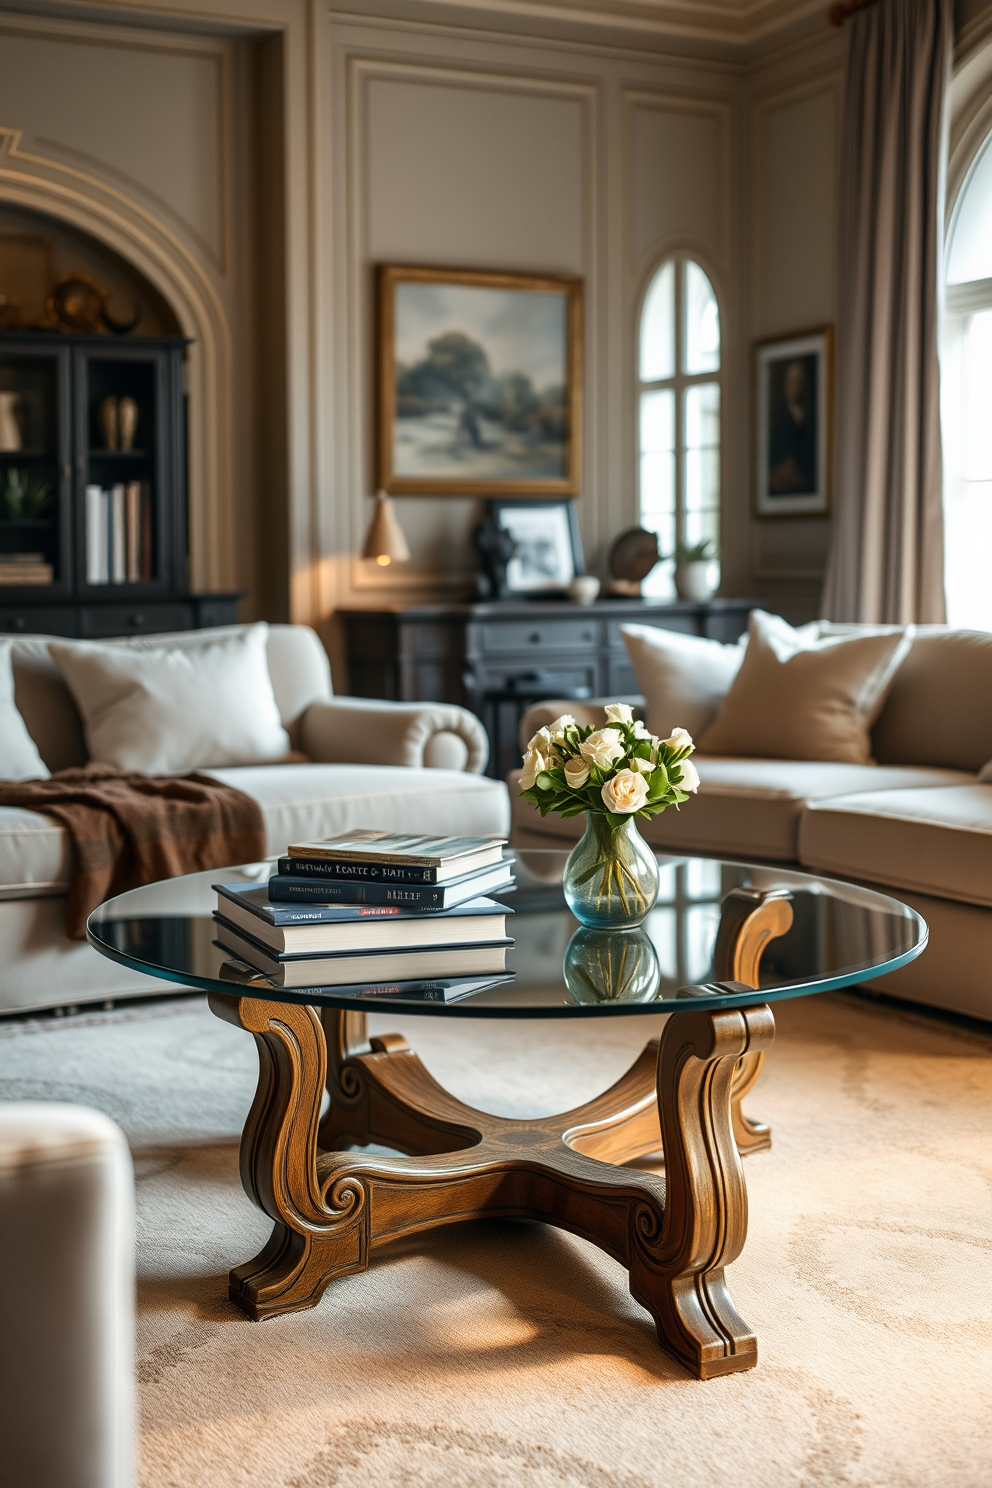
(497,1354)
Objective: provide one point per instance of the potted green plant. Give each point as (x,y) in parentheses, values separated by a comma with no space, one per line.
(23,497)
(693,569)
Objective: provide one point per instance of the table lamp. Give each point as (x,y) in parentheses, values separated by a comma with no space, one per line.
(384,540)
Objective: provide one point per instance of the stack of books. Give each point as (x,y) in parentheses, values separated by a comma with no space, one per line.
(119,533)
(373,912)
(24,568)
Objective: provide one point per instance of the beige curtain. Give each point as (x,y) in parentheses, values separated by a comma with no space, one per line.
(887,560)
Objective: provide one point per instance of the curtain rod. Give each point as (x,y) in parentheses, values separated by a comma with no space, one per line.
(838,14)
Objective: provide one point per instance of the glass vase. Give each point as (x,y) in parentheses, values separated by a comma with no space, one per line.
(611,966)
(611,877)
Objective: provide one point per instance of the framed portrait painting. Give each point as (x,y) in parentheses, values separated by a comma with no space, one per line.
(479,383)
(794,436)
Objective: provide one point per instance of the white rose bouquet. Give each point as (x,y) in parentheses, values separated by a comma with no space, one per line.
(620,771)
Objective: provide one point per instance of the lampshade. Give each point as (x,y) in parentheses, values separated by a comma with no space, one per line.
(384,540)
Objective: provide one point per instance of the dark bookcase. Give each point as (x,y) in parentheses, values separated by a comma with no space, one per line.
(60,383)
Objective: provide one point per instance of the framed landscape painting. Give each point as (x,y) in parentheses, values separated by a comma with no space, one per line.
(794,434)
(479,383)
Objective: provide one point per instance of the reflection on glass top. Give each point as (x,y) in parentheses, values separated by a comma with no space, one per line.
(841,934)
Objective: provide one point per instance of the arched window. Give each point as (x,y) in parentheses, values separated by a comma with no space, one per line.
(679,415)
(966,396)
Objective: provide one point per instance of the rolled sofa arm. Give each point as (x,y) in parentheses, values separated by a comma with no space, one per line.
(357,731)
(588,712)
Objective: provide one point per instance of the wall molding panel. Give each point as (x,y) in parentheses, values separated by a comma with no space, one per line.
(127,226)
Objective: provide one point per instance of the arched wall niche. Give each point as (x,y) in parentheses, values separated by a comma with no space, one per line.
(36,248)
(133,234)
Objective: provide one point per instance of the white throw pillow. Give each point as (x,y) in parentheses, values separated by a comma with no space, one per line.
(684,678)
(19,757)
(164,710)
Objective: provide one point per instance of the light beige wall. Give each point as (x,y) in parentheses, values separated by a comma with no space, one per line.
(139,138)
(278,165)
(482,151)
(794,117)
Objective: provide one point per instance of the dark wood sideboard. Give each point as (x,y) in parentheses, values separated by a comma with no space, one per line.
(496,659)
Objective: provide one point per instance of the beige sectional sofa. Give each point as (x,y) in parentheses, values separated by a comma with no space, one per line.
(918,823)
(396,766)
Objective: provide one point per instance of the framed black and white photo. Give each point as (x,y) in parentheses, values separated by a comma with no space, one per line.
(794,434)
(548,550)
(479,383)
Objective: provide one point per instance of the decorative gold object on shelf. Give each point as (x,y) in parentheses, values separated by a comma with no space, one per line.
(127,422)
(76,303)
(108,414)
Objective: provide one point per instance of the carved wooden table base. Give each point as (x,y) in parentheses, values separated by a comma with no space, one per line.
(675,1234)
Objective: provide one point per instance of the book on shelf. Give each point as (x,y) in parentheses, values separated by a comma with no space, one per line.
(25,568)
(398,856)
(118,533)
(322,929)
(431,989)
(347,968)
(288,887)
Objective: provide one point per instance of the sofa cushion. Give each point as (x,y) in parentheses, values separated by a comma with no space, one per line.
(175,708)
(749,808)
(19,757)
(684,678)
(939,709)
(935,840)
(297,801)
(300,802)
(35,854)
(297,663)
(797,697)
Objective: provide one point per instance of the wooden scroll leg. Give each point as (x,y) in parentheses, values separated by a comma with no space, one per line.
(345,1034)
(749,919)
(677,1269)
(317,1234)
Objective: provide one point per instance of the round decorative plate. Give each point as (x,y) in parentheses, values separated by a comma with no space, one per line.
(634,554)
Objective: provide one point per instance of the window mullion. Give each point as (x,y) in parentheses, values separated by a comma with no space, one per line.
(679,384)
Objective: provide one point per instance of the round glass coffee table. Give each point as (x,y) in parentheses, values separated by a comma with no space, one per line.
(724,941)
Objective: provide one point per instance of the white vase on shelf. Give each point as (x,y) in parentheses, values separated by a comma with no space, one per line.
(11,436)
(694,581)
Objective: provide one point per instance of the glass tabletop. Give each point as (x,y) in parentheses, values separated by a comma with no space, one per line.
(841,934)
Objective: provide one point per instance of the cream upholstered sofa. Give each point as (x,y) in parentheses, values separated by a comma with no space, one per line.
(918,823)
(67,1298)
(397,766)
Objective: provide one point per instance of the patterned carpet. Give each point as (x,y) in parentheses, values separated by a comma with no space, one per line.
(500,1354)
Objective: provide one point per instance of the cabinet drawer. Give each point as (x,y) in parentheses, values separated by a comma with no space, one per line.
(521,636)
(623,679)
(37,621)
(133,619)
(540,681)
(685,624)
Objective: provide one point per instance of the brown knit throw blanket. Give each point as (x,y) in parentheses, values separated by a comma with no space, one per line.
(131,829)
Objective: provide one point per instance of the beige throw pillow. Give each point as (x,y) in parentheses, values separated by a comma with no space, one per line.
(799,697)
(19,757)
(684,678)
(165,710)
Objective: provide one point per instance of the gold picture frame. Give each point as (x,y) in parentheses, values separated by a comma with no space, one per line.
(479,391)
